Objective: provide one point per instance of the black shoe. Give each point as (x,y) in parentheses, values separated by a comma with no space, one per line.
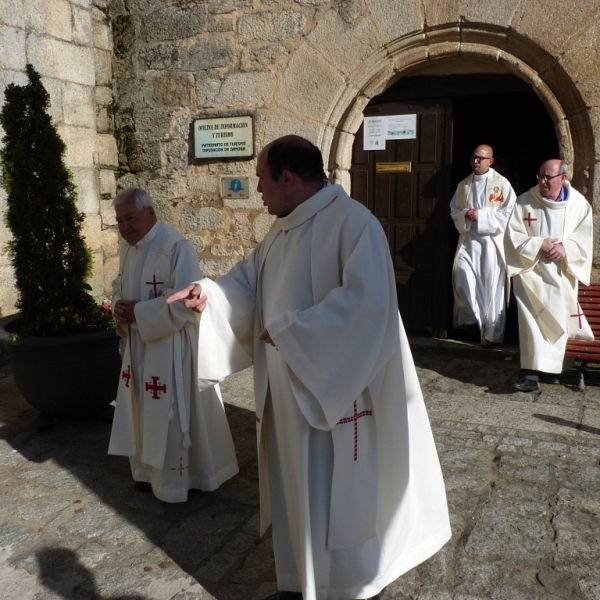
(551,379)
(285,596)
(526,385)
(143,486)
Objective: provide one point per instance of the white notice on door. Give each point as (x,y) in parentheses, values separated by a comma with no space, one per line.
(374,133)
(401,127)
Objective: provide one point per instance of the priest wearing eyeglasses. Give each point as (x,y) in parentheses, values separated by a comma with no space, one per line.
(548,248)
(480,209)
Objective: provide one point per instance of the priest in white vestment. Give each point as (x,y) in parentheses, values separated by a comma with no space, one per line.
(548,247)
(349,474)
(480,209)
(176,436)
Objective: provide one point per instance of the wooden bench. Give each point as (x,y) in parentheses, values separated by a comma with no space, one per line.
(589,300)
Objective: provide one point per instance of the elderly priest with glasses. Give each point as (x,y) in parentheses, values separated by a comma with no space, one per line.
(480,209)
(548,248)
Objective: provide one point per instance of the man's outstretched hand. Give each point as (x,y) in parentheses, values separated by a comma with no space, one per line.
(191,297)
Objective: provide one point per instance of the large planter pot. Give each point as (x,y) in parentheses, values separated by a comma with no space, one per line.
(70,377)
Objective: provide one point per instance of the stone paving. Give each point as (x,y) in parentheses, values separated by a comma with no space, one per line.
(522,474)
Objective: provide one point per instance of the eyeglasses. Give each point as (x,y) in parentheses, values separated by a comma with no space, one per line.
(546,177)
(481,158)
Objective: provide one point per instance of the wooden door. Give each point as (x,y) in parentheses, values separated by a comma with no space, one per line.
(413,208)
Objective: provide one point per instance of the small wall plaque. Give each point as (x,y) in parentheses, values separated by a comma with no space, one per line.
(227,137)
(235,187)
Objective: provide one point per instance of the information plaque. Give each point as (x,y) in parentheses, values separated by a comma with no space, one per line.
(227,137)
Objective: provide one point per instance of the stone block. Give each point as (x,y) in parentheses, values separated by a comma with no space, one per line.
(82,27)
(160,56)
(110,242)
(101,35)
(107,150)
(108,182)
(107,212)
(92,232)
(170,23)
(104,121)
(78,105)
(310,85)
(104,95)
(196,241)
(176,156)
(207,219)
(8,292)
(88,197)
(12,42)
(207,88)
(498,13)
(103,67)
(209,53)
(261,225)
(217,7)
(216,267)
(54,89)
(253,203)
(80,143)
(54,58)
(282,123)
(271,26)
(87,3)
(396,19)
(253,88)
(174,89)
(220,25)
(227,250)
(51,17)
(547,25)
(439,12)
(13,13)
(343,46)
(270,54)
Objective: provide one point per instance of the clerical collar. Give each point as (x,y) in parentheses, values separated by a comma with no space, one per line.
(149,236)
(562,197)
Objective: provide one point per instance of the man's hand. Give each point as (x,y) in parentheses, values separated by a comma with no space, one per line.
(124,311)
(547,246)
(472,214)
(191,297)
(266,338)
(556,253)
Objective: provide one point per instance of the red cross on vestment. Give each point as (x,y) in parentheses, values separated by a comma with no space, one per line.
(578,314)
(155,388)
(126,375)
(154,283)
(529,218)
(180,468)
(354,419)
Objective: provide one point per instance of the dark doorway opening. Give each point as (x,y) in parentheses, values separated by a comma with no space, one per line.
(496,109)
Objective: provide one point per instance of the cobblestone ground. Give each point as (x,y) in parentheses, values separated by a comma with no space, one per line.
(522,475)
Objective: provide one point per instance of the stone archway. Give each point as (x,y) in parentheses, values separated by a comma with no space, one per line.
(528,61)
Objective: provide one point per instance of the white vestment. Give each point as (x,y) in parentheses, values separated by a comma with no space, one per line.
(349,474)
(177,437)
(546,291)
(479,273)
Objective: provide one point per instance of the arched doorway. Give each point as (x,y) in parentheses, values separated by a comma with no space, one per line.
(455,112)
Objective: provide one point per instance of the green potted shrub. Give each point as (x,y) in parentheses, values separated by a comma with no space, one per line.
(51,261)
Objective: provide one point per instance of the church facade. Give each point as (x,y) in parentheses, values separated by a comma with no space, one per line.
(128,79)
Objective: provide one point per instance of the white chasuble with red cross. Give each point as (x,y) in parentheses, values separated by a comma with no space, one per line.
(546,290)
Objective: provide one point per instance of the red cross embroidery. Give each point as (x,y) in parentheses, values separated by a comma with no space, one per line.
(579,314)
(180,468)
(257,419)
(529,218)
(155,388)
(126,375)
(154,283)
(354,419)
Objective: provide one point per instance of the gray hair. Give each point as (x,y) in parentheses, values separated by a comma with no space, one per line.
(141,198)
(563,169)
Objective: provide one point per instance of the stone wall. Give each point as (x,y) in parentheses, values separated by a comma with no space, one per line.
(310,67)
(69,42)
